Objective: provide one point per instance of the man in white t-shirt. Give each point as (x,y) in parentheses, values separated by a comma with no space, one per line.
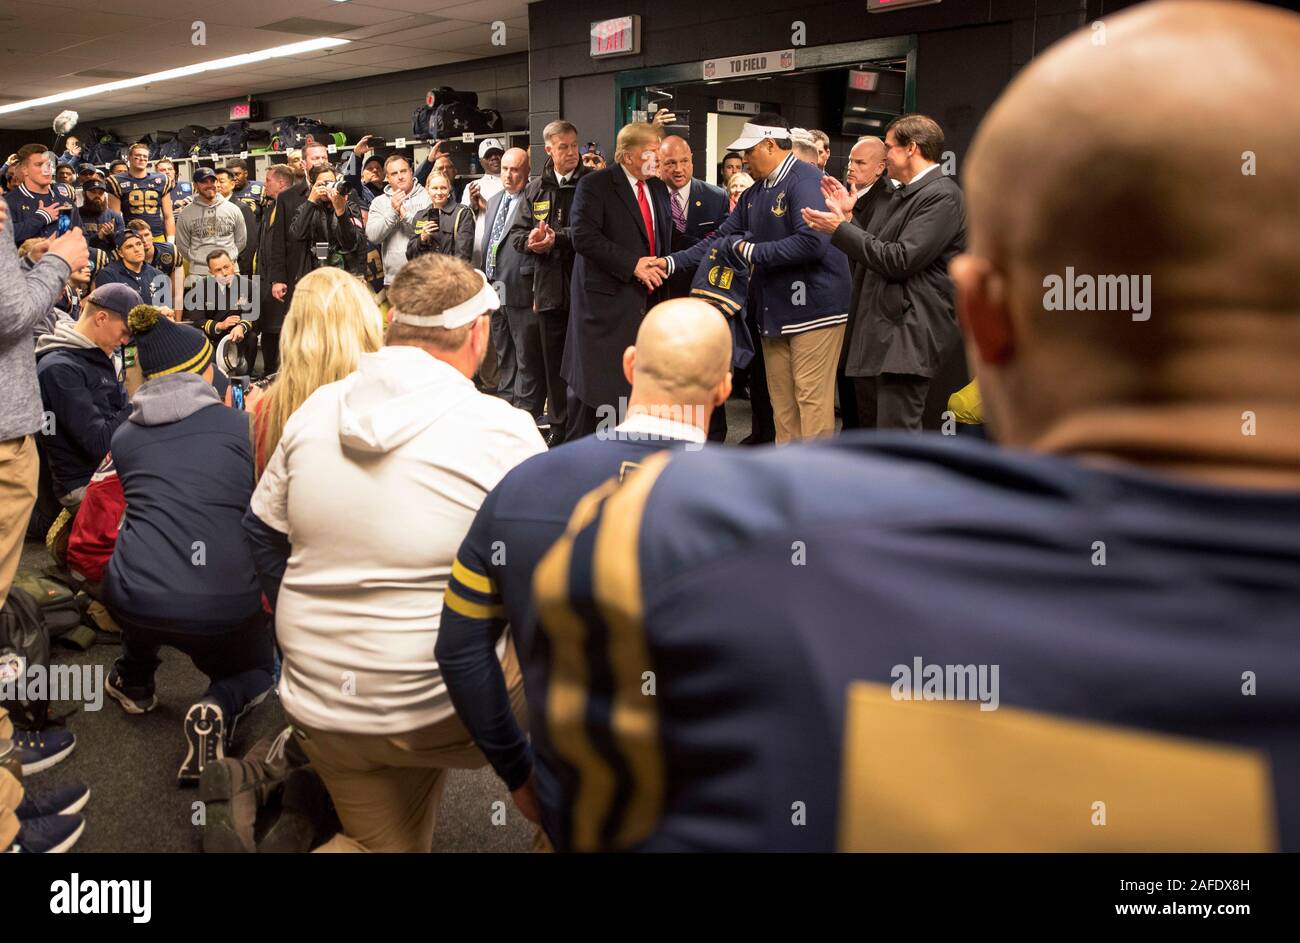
(355,526)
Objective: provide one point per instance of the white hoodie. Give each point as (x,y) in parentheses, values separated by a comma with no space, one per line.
(376,481)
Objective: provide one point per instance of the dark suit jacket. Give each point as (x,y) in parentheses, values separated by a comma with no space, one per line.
(607,302)
(906,321)
(251,226)
(514,269)
(865,218)
(706,209)
(287,259)
(272,312)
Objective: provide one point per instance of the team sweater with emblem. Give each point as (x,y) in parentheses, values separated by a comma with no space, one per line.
(28,221)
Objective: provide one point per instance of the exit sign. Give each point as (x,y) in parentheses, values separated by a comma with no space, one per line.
(245,111)
(884,6)
(620,36)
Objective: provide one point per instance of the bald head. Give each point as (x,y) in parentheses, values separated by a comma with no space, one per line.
(676,165)
(514,169)
(866,162)
(1109,179)
(682,356)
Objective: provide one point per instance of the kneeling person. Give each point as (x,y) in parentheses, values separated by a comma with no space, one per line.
(218,305)
(680,371)
(182,572)
(359,596)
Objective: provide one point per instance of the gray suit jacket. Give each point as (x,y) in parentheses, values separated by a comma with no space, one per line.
(513,275)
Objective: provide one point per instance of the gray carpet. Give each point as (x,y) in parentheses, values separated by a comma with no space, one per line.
(130,762)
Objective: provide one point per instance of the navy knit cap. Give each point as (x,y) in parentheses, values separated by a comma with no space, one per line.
(162,346)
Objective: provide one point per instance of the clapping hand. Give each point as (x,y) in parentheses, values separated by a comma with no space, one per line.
(838,199)
(542,239)
(823,222)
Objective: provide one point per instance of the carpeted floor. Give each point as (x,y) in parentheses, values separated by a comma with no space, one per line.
(130,762)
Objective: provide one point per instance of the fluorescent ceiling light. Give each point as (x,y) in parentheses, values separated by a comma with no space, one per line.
(230,62)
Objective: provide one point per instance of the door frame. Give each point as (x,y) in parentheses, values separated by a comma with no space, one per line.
(627,83)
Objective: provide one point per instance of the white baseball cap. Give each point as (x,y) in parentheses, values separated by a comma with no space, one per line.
(751,134)
(491,144)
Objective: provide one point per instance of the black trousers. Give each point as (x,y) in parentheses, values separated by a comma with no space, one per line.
(530,375)
(270,352)
(553,326)
(760,400)
(505,349)
(896,400)
(718,424)
(238,661)
(582,420)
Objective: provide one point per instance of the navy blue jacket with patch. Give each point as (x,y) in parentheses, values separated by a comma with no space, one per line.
(759,586)
(151,285)
(186,465)
(800,282)
(80,387)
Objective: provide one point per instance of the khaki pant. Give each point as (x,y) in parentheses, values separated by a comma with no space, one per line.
(11,791)
(801,381)
(19,471)
(387,789)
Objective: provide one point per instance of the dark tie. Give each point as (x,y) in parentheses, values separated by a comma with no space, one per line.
(679,215)
(646,217)
(498,231)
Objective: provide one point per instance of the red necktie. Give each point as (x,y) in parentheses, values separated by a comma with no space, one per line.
(645,214)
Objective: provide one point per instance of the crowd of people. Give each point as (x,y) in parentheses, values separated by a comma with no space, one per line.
(550,564)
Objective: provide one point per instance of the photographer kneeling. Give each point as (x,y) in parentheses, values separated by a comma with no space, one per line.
(331,230)
(446,227)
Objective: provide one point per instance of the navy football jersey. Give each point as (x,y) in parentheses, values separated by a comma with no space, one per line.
(900,642)
(142,198)
(164,257)
(250,194)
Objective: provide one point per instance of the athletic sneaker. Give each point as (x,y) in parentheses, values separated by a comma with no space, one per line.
(133,700)
(38,750)
(57,800)
(205,734)
(50,834)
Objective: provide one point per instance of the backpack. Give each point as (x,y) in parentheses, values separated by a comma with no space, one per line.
(292,132)
(24,643)
(61,607)
(463,115)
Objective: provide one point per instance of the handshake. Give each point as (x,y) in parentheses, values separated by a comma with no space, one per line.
(651,271)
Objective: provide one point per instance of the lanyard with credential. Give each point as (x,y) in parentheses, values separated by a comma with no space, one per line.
(503,213)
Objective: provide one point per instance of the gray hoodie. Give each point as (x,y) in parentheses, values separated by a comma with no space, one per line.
(384,228)
(171,398)
(26,299)
(205,227)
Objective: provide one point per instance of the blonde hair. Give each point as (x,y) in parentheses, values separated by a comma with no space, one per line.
(636,134)
(744,180)
(332,321)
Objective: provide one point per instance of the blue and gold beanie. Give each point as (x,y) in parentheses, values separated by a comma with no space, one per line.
(164,347)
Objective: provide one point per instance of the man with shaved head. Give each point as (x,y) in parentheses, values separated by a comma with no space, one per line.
(680,371)
(1111,590)
(870,190)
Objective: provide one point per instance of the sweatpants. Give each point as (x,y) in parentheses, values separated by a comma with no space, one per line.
(238,661)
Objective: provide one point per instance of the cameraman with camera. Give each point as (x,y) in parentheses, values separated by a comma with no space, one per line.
(331,229)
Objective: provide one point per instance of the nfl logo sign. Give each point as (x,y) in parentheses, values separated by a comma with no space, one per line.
(709,69)
(787,60)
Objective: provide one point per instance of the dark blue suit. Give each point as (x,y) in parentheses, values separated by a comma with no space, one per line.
(707,208)
(607,301)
